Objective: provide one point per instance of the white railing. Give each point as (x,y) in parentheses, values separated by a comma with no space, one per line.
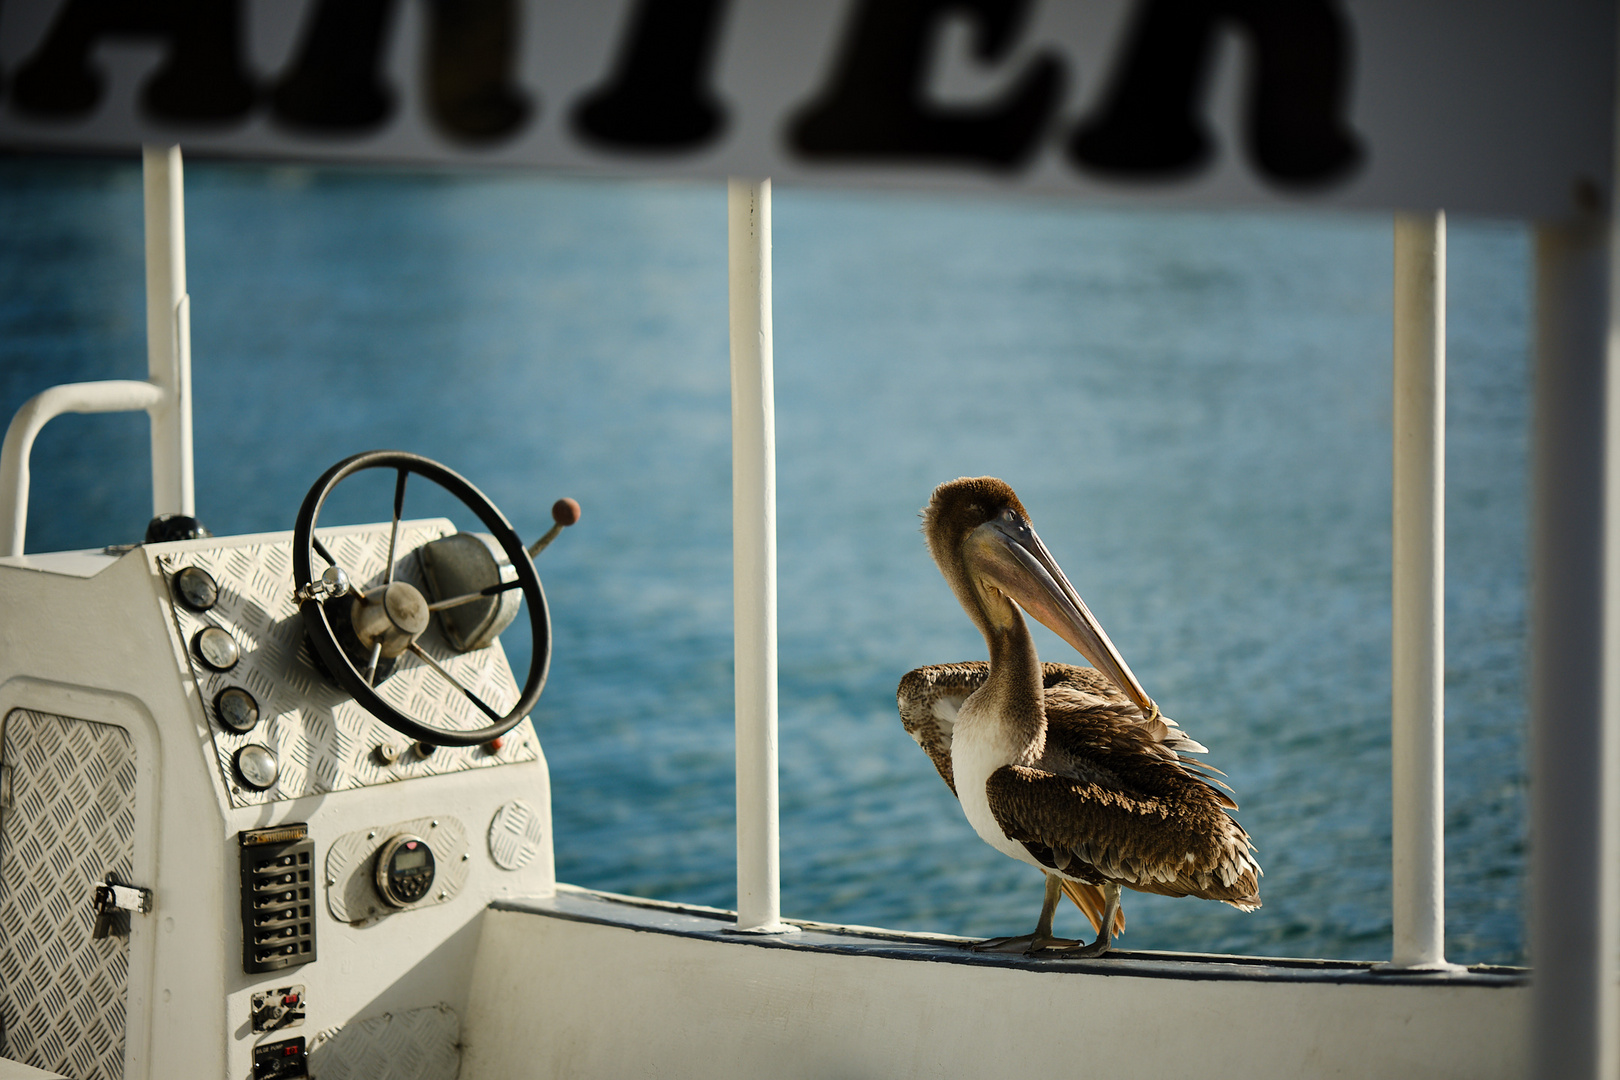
(753,539)
(1575,570)
(165,396)
(1417,601)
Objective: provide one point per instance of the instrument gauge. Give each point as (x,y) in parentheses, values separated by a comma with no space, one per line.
(405,870)
(257,767)
(215,647)
(196,588)
(236,709)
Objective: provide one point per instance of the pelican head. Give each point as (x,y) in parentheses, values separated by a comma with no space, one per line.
(980,536)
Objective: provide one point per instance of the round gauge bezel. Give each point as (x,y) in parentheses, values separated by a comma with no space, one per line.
(387,880)
(242,774)
(183,595)
(201,654)
(220,713)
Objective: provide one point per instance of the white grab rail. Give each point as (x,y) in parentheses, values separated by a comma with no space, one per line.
(165,396)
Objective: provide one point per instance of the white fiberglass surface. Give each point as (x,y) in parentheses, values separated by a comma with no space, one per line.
(1194,408)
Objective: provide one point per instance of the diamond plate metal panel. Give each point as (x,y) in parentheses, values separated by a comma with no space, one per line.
(71,821)
(422,1044)
(515,835)
(351,895)
(322,739)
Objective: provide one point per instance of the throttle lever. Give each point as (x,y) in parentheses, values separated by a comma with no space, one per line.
(564,512)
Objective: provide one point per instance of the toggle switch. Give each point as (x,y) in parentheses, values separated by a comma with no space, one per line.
(277,1009)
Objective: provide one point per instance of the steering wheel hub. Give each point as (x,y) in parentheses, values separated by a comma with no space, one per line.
(392,616)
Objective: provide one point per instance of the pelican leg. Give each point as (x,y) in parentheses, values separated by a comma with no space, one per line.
(1110,893)
(1030,944)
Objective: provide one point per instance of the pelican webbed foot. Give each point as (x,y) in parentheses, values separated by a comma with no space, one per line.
(1084,952)
(1028,944)
(1041,939)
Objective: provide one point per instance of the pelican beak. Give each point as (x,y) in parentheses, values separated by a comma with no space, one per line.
(1013,559)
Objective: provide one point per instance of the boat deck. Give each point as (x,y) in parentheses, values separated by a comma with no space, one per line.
(714,924)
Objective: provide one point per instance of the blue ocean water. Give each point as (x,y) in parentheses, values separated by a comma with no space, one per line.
(1195,409)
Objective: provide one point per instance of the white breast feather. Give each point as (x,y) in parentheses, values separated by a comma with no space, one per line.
(977,750)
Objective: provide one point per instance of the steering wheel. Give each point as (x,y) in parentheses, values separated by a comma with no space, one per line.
(388,619)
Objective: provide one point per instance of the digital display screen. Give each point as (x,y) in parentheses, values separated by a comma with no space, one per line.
(411,860)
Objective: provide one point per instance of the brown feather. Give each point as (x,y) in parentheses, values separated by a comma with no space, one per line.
(1146,825)
(927,691)
(1113,770)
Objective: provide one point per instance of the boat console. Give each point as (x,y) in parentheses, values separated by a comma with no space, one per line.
(260,788)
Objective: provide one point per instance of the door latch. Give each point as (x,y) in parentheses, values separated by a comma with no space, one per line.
(113,901)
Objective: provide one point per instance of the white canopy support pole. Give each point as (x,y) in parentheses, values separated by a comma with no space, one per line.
(753,530)
(168,331)
(1418,588)
(165,397)
(1574,641)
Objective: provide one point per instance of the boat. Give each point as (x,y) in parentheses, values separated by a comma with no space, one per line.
(265,813)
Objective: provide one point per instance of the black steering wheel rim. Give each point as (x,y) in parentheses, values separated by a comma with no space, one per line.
(324,639)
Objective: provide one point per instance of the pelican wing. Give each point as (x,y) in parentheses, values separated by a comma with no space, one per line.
(929,699)
(1082,705)
(1145,823)
(1085,706)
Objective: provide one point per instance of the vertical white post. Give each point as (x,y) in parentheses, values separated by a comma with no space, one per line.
(1418,593)
(168,331)
(1574,641)
(753,530)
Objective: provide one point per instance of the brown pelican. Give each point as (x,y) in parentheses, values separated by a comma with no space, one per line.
(1072,770)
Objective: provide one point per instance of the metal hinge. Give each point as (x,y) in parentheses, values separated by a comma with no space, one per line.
(113,900)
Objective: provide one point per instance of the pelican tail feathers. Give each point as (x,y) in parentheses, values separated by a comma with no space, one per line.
(1089,899)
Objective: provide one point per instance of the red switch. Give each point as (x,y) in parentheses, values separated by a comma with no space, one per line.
(290,1000)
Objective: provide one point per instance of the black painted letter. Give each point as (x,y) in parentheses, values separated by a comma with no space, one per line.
(874,108)
(1296,131)
(658,96)
(335,85)
(201,79)
(332,85)
(471,95)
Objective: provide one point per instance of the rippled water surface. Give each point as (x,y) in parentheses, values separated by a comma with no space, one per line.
(1195,410)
